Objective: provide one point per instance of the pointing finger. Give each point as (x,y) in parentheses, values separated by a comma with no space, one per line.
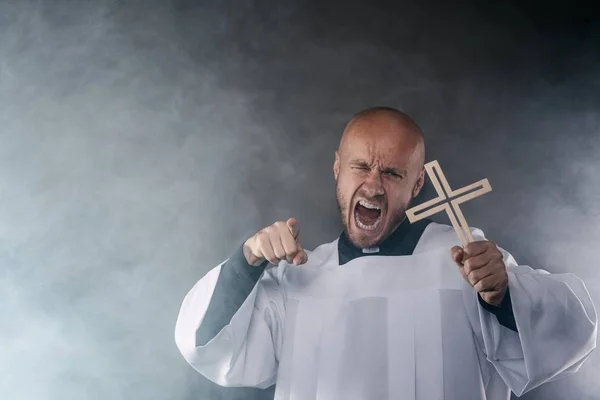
(289,245)
(292,225)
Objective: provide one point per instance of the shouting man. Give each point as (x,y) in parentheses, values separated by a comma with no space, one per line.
(389,310)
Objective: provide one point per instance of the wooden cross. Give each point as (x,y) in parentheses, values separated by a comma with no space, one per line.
(448,200)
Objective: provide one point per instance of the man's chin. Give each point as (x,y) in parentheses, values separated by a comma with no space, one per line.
(365,239)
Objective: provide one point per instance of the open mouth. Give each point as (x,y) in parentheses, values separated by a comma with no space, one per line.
(367,215)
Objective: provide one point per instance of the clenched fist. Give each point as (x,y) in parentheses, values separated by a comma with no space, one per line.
(275,243)
(482,266)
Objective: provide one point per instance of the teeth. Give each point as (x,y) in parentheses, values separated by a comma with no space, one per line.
(371,206)
(368,227)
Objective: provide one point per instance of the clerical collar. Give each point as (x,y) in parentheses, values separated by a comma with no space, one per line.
(401,242)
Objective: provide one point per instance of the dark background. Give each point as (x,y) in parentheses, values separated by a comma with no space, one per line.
(142,141)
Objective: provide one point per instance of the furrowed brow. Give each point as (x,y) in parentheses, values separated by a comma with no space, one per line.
(397,171)
(359,162)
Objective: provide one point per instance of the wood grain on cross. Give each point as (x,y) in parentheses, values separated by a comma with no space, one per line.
(449,200)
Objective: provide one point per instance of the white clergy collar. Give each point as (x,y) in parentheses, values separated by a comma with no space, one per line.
(371,250)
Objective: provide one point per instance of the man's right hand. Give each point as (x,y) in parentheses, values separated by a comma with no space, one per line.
(275,243)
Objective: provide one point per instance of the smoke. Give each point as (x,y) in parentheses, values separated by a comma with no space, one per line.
(113,162)
(142,141)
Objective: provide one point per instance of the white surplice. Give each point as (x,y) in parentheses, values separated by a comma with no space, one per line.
(392,327)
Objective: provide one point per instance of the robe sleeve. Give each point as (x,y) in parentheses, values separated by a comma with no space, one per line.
(229,325)
(556,321)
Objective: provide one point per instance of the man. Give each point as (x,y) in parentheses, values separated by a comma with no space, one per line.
(389,310)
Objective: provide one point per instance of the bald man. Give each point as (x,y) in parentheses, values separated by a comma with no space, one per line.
(389,310)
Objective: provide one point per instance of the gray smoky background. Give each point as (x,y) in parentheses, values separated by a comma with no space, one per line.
(142,141)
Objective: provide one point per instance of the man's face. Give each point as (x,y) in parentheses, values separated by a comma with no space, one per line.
(378,170)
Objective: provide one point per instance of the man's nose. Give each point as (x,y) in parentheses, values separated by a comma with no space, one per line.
(373,185)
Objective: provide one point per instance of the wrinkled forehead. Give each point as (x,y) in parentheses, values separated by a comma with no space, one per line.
(389,145)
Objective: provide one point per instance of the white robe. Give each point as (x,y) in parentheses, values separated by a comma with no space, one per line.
(392,327)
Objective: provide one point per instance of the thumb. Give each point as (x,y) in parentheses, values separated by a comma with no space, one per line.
(292,225)
(301,257)
(457,254)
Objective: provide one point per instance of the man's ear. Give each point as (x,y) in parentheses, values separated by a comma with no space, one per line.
(420,183)
(336,166)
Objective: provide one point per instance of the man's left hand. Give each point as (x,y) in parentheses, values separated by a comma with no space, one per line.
(481,265)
